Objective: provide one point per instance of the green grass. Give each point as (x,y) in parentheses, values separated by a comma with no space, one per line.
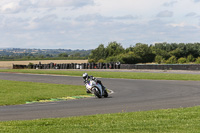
(17,92)
(183,120)
(123,75)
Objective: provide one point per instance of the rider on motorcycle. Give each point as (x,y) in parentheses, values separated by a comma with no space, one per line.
(88,78)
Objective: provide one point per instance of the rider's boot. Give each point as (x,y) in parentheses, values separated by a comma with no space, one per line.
(87,91)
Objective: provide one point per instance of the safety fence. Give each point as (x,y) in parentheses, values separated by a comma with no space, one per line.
(162,66)
(110,66)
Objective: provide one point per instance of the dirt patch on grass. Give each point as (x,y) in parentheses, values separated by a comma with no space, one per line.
(9,64)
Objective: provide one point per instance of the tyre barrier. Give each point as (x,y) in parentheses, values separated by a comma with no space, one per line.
(110,66)
(69,66)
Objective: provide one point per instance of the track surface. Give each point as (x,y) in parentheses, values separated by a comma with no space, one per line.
(128,96)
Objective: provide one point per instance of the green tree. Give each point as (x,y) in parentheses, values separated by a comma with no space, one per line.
(63,55)
(190,58)
(129,49)
(160,52)
(129,58)
(177,53)
(114,49)
(197,61)
(159,59)
(101,61)
(192,49)
(172,60)
(145,52)
(91,60)
(77,55)
(98,53)
(182,60)
(112,59)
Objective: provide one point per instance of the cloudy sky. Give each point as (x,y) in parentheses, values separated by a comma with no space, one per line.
(84,24)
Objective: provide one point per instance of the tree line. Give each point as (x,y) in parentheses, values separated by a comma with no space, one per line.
(161,53)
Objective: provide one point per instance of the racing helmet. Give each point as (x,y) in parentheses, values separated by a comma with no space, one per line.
(85,75)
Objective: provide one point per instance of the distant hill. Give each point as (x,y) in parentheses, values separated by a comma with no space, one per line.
(23,53)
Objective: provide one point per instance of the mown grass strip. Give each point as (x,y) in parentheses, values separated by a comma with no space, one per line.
(122,75)
(17,92)
(183,120)
(60,99)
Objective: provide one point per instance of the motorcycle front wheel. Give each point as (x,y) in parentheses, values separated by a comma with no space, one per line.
(97,92)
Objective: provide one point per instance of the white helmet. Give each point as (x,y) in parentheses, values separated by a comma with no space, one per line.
(85,75)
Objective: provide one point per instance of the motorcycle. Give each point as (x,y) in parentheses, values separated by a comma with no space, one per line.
(95,88)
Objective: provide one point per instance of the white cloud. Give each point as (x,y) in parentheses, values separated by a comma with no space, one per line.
(63,3)
(121,7)
(11,7)
(191,14)
(99,18)
(196,0)
(87,23)
(165,14)
(15,6)
(178,25)
(171,3)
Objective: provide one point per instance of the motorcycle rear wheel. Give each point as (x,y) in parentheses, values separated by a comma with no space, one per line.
(105,93)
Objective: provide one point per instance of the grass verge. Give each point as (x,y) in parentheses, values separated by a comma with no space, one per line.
(17,92)
(183,120)
(123,75)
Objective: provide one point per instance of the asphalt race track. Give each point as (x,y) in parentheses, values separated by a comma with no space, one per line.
(128,96)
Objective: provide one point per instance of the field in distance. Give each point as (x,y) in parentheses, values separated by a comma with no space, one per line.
(9,64)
